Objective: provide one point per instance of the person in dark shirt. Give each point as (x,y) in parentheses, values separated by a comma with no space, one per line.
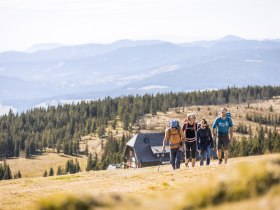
(190,128)
(204,142)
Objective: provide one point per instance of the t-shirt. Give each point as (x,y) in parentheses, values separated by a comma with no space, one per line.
(222,125)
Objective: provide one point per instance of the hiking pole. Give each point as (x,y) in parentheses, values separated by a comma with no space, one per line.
(160,160)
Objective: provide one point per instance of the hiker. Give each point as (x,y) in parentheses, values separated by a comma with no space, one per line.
(204,142)
(175,135)
(224,125)
(190,128)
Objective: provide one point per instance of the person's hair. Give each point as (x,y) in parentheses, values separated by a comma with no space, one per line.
(191,115)
(203,121)
(224,108)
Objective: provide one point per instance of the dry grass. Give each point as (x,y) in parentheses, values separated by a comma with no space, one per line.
(241,185)
(35,166)
(158,122)
(145,187)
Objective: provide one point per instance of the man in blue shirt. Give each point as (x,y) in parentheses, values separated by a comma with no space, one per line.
(224,125)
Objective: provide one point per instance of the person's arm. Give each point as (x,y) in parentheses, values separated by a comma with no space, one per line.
(197,141)
(166,137)
(214,129)
(211,138)
(183,137)
(230,134)
(230,129)
(184,127)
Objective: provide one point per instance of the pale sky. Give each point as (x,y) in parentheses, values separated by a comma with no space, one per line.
(27,22)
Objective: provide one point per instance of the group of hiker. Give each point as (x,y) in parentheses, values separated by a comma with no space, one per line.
(195,137)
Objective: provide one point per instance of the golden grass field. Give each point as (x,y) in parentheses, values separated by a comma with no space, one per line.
(146,188)
(238,112)
(140,188)
(35,166)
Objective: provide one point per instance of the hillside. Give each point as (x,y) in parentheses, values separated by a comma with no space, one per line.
(210,112)
(147,123)
(148,188)
(35,166)
(145,187)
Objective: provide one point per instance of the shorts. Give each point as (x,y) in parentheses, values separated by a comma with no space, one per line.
(223,141)
(190,148)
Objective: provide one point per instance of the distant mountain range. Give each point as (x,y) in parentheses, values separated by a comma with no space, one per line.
(52,72)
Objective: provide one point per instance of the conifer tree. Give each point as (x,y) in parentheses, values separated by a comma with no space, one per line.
(51,173)
(7,171)
(59,171)
(86,150)
(89,162)
(77,166)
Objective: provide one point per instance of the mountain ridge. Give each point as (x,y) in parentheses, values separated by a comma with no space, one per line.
(144,66)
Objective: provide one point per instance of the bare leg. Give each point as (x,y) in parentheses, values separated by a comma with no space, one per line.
(193,162)
(226,155)
(219,154)
(187,162)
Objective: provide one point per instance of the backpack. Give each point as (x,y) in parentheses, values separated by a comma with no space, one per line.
(228,114)
(174,124)
(186,125)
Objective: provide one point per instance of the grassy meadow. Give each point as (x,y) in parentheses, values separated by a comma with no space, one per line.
(250,181)
(245,183)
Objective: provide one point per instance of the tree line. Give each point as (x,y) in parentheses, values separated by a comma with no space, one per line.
(71,167)
(270,119)
(60,128)
(265,141)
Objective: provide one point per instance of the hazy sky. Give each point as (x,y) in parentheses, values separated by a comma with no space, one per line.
(27,22)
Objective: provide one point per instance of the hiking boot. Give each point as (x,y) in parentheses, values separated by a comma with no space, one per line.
(208,161)
(187,163)
(220,161)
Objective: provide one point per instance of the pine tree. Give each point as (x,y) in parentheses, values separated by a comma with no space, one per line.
(89,162)
(86,150)
(95,161)
(261,138)
(27,152)
(58,145)
(1,172)
(45,174)
(7,171)
(59,171)
(19,174)
(51,173)
(68,167)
